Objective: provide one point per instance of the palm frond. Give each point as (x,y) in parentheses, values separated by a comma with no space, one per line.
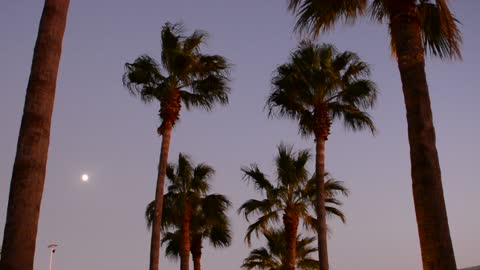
(171,36)
(202,174)
(377,11)
(310,223)
(172,212)
(214,206)
(256,207)
(142,78)
(149,213)
(220,236)
(261,225)
(308,264)
(260,259)
(440,33)
(255,175)
(334,187)
(332,211)
(316,16)
(206,92)
(291,166)
(360,93)
(173,242)
(352,117)
(191,43)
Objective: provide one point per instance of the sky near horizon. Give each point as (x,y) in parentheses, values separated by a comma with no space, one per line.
(99,129)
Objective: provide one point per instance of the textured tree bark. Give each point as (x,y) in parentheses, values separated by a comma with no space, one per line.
(196,262)
(185,246)
(290,221)
(157,218)
(196,251)
(320,203)
(435,242)
(29,168)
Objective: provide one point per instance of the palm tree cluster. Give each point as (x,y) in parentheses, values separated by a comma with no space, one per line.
(287,201)
(185,76)
(190,214)
(315,87)
(319,85)
(416,27)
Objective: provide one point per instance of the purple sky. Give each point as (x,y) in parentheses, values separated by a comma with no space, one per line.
(99,129)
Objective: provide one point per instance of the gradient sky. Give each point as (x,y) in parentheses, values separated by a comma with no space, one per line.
(99,129)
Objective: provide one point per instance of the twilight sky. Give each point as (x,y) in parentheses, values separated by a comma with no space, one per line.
(100,130)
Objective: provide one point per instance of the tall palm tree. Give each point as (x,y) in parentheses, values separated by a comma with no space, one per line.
(286,198)
(190,211)
(416,26)
(28,177)
(185,75)
(273,257)
(316,86)
(209,221)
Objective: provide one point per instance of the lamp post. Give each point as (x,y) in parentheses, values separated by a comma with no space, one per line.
(52,248)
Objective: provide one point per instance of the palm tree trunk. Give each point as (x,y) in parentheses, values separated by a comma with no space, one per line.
(28,175)
(185,246)
(290,222)
(157,218)
(435,242)
(320,203)
(196,262)
(196,251)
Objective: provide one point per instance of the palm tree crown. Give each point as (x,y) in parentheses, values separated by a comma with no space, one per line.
(318,85)
(284,197)
(440,34)
(209,221)
(273,256)
(185,75)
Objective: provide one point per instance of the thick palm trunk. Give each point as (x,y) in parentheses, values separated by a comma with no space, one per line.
(196,262)
(196,252)
(157,218)
(290,222)
(433,230)
(28,175)
(320,203)
(185,245)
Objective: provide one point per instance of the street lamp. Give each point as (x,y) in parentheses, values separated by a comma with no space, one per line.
(52,248)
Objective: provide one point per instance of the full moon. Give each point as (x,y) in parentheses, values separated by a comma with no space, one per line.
(85,177)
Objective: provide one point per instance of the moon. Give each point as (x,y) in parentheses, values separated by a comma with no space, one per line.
(84,177)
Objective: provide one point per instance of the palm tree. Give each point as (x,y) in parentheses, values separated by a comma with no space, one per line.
(191,212)
(273,257)
(186,76)
(287,197)
(416,26)
(209,221)
(28,177)
(316,86)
